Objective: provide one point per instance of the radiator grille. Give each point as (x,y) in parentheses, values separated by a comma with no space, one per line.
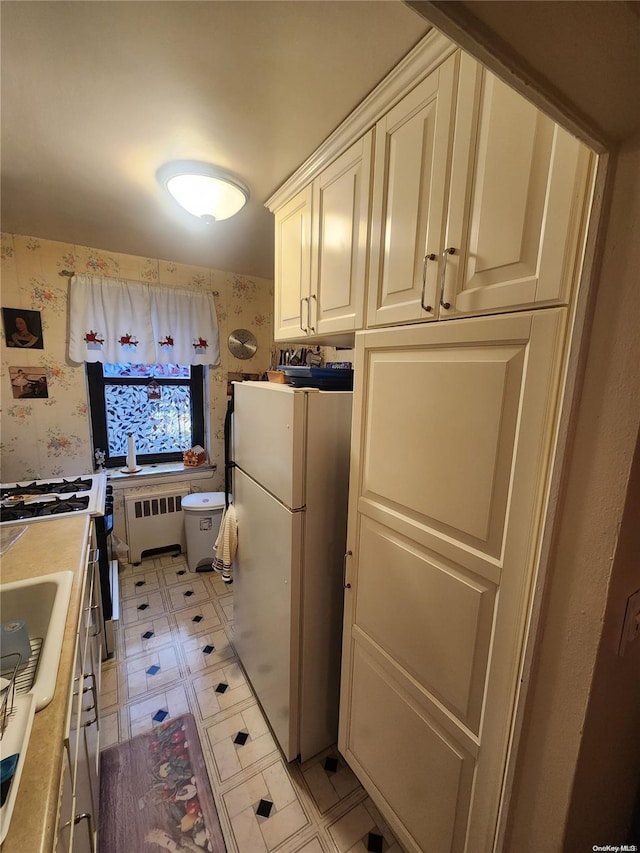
(145,507)
(154,520)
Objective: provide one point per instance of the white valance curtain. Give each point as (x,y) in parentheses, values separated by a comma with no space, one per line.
(117,321)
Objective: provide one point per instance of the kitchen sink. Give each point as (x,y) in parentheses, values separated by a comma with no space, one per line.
(42,603)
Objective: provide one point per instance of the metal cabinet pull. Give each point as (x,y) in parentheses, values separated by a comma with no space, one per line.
(94,698)
(449,251)
(76,820)
(309,298)
(303,299)
(94,694)
(430,257)
(344,570)
(97,622)
(86,816)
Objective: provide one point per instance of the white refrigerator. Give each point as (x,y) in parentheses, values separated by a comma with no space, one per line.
(291,477)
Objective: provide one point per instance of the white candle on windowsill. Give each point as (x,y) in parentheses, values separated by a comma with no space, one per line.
(131,454)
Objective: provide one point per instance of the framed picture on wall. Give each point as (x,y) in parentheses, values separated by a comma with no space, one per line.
(28,382)
(22,328)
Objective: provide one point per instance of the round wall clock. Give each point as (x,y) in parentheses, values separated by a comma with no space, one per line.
(242,343)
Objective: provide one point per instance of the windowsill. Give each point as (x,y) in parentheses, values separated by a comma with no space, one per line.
(160,472)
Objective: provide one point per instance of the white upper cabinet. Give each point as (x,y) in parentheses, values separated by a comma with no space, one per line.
(341,196)
(413,143)
(321,250)
(516,203)
(474,212)
(292,267)
(458,197)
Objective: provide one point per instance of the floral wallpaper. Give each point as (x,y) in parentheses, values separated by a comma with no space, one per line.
(50,436)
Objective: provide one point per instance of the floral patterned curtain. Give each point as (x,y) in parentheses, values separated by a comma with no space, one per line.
(129,322)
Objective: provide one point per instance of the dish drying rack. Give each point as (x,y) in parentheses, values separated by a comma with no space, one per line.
(20,677)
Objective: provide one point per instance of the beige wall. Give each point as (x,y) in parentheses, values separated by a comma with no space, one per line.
(51,437)
(614,704)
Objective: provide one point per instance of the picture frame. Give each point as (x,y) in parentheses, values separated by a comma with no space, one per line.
(29,383)
(22,328)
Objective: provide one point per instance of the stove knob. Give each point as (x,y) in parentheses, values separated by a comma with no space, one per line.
(109,489)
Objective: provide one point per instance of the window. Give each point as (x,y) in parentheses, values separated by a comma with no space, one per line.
(161,404)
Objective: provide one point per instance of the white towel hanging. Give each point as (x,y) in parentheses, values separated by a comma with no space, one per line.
(226,544)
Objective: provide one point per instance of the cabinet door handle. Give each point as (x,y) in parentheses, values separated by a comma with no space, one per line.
(76,820)
(449,251)
(97,623)
(94,695)
(304,299)
(344,572)
(309,298)
(430,257)
(86,816)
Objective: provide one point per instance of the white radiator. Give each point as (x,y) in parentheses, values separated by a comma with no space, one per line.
(154,520)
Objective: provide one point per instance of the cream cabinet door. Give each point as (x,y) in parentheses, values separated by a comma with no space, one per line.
(341,197)
(517,202)
(451,438)
(293,267)
(412,148)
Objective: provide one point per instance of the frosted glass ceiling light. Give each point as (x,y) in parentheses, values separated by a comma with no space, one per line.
(203,190)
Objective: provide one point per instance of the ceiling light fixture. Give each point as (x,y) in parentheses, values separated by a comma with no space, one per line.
(203,190)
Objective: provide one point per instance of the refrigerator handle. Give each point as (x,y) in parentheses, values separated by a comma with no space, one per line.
(344,570)
(228,464)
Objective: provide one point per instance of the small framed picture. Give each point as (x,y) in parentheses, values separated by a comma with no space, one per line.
(22,328)
(28,383)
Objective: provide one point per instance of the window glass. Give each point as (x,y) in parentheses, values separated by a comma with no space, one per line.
(159,425)
(162,405)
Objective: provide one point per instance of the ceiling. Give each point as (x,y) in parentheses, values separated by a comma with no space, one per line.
(584,56)
(98,94)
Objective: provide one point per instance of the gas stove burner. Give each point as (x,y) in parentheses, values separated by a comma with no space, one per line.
(73,503)
(60,487)
(71,486)
(31,489)
(37,509)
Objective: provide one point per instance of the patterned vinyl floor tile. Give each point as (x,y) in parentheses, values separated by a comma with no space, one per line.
(142,583)
(174,655)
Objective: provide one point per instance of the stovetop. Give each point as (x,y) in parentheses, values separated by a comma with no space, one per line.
(47,487)
(43,499)
(54,505)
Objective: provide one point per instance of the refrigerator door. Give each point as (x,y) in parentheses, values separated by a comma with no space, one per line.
(266,603)
(269,438)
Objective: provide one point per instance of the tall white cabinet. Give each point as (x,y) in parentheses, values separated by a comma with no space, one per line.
(476,229)
(451,431)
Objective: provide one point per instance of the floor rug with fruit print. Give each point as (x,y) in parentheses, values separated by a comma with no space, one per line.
(155,794)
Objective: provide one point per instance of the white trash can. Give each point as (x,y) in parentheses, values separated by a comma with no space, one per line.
(202,516)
